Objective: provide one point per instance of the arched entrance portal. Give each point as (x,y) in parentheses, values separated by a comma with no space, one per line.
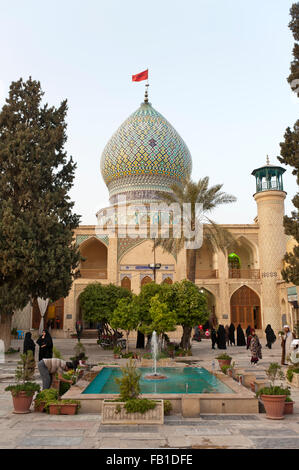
(126,283)
(245,308)
(146,280)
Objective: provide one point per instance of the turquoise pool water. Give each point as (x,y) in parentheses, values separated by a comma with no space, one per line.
(198,379)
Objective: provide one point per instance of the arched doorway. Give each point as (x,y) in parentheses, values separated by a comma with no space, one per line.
(167,280)
(94,254)
(53,317)
(245,308)
(146,280)
(126,283)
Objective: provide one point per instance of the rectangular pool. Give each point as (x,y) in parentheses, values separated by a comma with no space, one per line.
(178,380)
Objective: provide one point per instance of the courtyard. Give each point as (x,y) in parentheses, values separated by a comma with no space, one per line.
(85,431)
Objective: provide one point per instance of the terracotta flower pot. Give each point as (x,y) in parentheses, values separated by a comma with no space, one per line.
(230,373)
(288,407)
(65,409)
(22,402)
(274,406)
(224,362)
(40,408)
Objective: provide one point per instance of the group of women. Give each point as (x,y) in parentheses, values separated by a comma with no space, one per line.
(44,342)
(225,336)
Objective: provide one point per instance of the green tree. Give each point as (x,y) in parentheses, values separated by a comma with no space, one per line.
(196,193)
(126,317)
(191,309)
(37,253)
(162,319)
(289,155)
(98,301)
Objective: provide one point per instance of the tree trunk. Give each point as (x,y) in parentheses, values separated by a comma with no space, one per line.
(127,343)
(5,329)
(185,340)
(140,340)
(191,265)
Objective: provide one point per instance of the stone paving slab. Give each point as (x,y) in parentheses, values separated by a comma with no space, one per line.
(128,429)
(238,442)
(203,431)
(230,417)
(110,443)
(268,431)
(276,443)
(50,441)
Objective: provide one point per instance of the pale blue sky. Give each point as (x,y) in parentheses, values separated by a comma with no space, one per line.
(217,72)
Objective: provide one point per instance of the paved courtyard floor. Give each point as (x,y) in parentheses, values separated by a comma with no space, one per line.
(84,431)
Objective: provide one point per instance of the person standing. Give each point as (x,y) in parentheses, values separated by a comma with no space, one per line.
(270,336)
(255,347)
(49,367)
(213,337)
(240,336)
(29,344)
(286,340)
(221,340)
(231,334)
(45,346)
(226,329)
(248,336)
(79,329)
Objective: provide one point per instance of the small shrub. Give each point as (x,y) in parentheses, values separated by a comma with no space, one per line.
(129,382)
(167,407)
(273,390)
(225,368)
(139,405)
(57,353)
(289,399)
(46,396)
(28,387)
(224,357)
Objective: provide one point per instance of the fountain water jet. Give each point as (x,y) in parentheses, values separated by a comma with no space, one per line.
(154,349)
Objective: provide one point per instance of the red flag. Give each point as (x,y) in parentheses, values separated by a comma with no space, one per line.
(140,76)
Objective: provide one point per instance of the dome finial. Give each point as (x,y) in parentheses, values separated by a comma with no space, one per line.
(146,93)
(268,160)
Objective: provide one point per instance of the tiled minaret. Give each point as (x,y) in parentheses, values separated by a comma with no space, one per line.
(270,198)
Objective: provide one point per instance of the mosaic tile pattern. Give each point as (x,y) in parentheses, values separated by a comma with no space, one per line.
(82,238)
(145,152)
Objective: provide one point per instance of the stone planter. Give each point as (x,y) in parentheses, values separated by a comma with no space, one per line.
(22,402)
(288,407)
(63,409)
(274,406)
(111,416)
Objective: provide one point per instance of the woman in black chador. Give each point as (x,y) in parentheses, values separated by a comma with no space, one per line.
(213,337)
(270,336)
(221,342)
(45,346)
(240,336)
(29,344)
(248,332)
(231,334)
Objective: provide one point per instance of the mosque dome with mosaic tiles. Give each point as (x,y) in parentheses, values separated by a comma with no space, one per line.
(144,157)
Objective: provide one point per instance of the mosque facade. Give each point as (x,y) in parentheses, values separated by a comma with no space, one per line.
(139,164)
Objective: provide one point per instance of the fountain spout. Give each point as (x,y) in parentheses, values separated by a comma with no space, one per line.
(154,348)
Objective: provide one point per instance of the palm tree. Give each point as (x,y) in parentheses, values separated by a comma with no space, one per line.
(192,193)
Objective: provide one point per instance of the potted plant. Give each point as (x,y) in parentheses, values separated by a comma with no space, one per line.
(288,406)
(43,397)
(24,390)
(225,369)
(274,396)
(117,352)
(224,359)
(62,407)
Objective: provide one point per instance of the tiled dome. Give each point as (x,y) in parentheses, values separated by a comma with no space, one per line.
(143,156)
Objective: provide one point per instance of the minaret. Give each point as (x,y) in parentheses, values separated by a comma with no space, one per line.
(270,198)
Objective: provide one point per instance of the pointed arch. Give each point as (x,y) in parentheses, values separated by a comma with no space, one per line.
(126,282)
(95,254)
(145,280)
(245,308)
